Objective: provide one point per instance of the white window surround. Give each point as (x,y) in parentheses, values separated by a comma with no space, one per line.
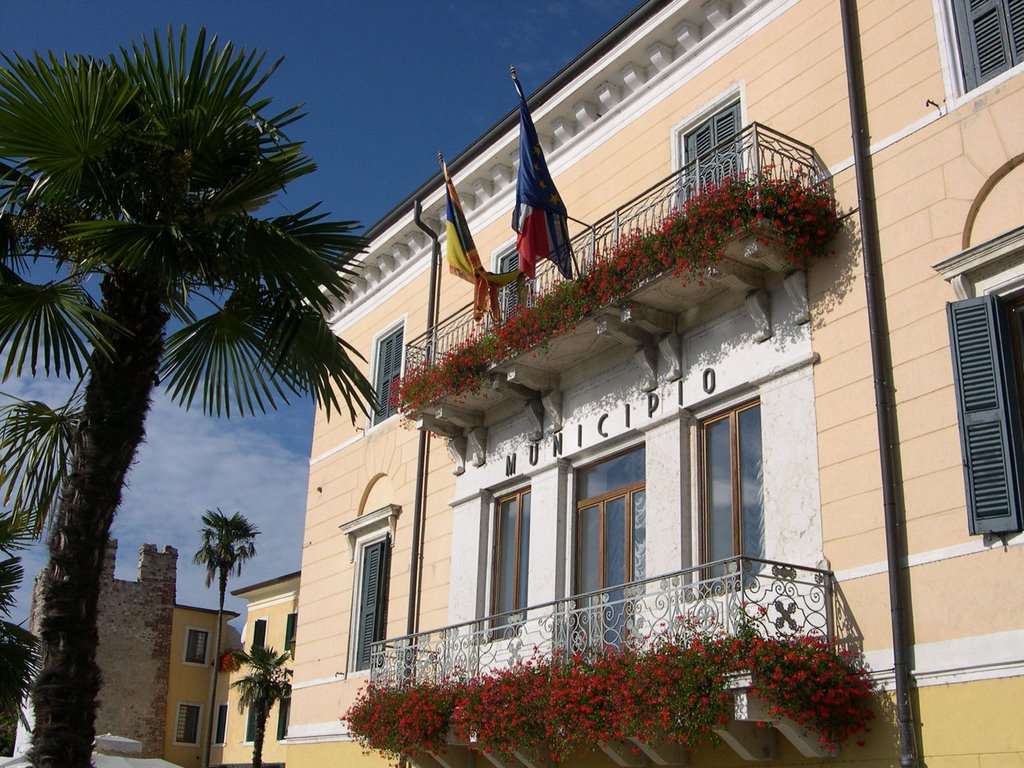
(364,531)
(177,721)
(949,57)
(995,266)
(370,526)
(206,648)
(735,93)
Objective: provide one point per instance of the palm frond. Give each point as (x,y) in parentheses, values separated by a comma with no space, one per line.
(51,328)
(220,356)
(314,361)
(19,657)
(74,106)
(226,542)
(35,446)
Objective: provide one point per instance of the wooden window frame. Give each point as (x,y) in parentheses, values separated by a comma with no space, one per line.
(628,492)
(732,414)
(497,559)
(380,616)
(217,729)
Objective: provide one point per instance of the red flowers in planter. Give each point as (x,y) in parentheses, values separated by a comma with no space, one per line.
(559,706)
(801,220)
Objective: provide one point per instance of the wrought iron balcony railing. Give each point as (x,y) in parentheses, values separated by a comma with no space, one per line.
(717,598)
(756,152)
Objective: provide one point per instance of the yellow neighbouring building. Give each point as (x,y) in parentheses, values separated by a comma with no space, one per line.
(736,418)
(272,620)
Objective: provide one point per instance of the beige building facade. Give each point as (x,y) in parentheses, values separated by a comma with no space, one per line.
(272,621)
(731,424)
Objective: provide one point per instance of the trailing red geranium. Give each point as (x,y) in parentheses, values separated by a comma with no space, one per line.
(802,221)
(555,707)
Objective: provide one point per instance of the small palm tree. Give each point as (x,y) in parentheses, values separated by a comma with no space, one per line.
(225,543)
(266,684)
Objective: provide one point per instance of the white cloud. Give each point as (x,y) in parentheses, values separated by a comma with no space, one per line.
(191,463)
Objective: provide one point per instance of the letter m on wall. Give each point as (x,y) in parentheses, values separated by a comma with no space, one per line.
(989,413)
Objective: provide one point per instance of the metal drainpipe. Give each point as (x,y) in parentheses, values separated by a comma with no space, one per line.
(423,450)
(881,366)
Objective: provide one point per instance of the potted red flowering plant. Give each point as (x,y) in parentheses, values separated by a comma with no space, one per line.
(799,220)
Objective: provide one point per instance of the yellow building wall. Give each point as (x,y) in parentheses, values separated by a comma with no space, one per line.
(188,683)
(272,603)
(939,189)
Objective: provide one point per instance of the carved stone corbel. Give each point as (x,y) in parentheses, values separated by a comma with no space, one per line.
(552,402)
(757,308)
(795,284)
(670,346)
(457,451)
(476,441)
(646,359)
(535,417)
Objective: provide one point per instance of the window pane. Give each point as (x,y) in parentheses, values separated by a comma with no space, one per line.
(505,577)
(195,650)
(751,483)
(524,551)
(589,549)
(222,724)
(615,473)
(259,633)
(187,730)
(615,542)
(639,536)
(718,490)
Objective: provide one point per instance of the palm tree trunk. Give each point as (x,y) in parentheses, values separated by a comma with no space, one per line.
(117,400)
(223,584)
(261,732)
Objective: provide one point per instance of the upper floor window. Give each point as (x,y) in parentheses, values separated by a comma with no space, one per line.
(196,641)
(508,295)
(611,522)
(708,156)
(990,34)
(511,552)
(284,711)
(387,368)
(733,484)
(259,633)
(289,632)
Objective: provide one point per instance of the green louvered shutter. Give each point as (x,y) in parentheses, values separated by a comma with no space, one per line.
(389,368)
(713,167)
(259,633)
(990,428)
(991,35)
(289,633)
(372,600)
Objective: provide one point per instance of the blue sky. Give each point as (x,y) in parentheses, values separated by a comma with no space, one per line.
(386,85)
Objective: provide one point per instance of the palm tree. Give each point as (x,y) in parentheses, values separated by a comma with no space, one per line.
(138,180)
(265,685)
(19,660)
(225,543)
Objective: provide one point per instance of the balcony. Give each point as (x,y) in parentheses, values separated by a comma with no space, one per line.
(735,598)
(782,600)
(651,308)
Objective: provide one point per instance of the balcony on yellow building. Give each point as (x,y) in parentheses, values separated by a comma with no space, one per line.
(735,223)
(734,598)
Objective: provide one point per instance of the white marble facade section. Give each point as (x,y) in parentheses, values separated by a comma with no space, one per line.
(723,364)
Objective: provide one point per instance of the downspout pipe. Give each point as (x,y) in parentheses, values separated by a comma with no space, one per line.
(423,449)
(882,370)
